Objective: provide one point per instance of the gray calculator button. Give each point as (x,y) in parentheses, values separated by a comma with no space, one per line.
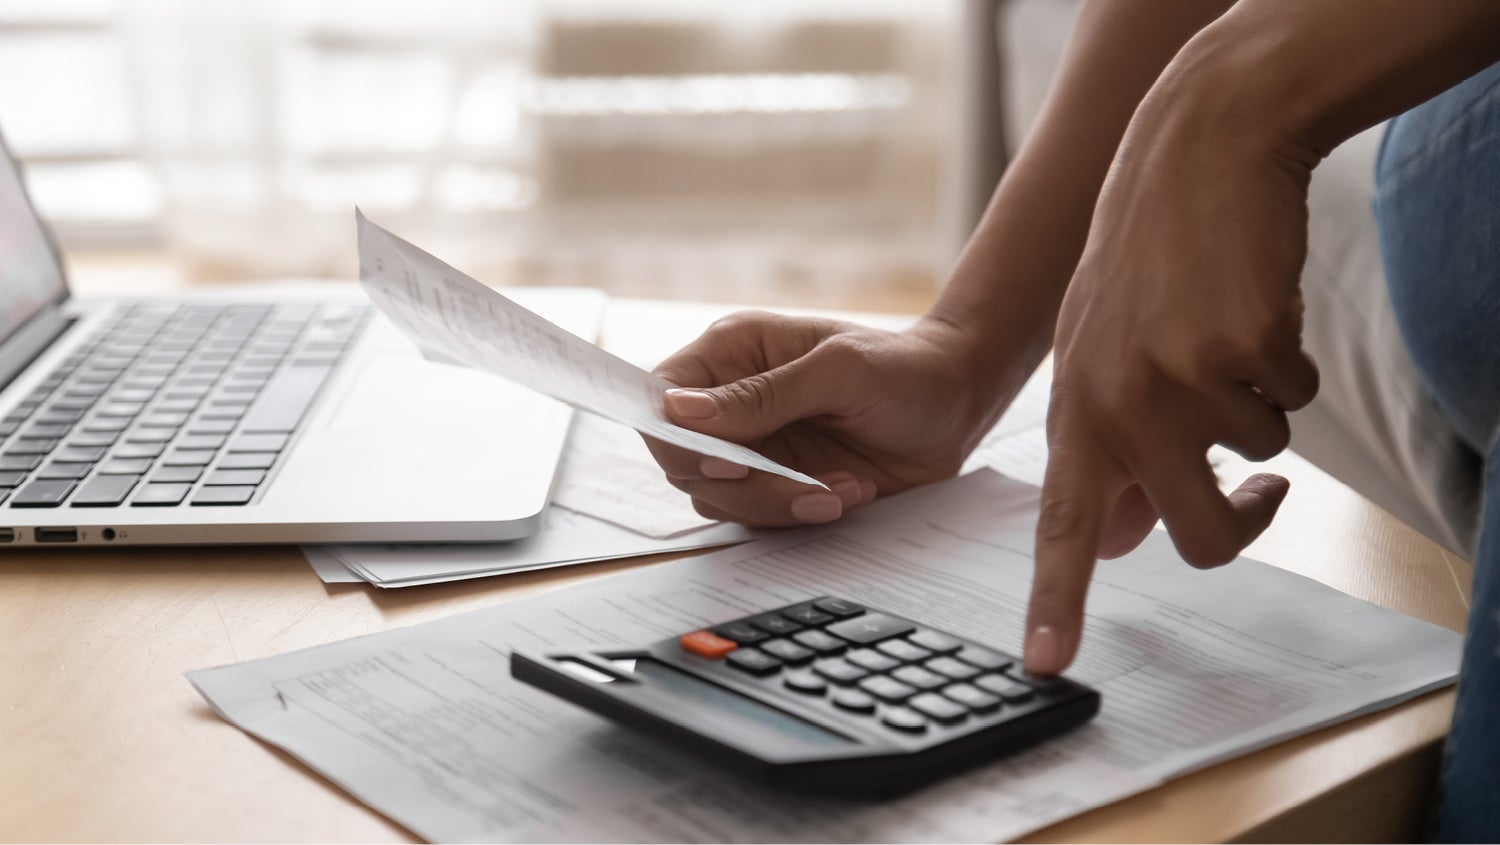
(935,642)
(984,658)
(805,682)
(938,708)
(904,720)
(807,615)
(1012,691)
(839,670)
(904,651)
(775,623)
(887,688)
(842,608)
(753,661)
(871,659)
(948,667)
(972,697)
(787,651)
(1045,683)
(854,701)
(871,628)
(919,677)
(741,632)
(820,642)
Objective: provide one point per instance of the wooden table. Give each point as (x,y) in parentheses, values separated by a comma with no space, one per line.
(103,739)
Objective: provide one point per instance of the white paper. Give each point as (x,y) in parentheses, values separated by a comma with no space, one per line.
(425,725)
(460,320)
(610,475)
(327,566)
(565,538)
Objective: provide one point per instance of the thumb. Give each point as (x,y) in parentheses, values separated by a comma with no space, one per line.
(758,405)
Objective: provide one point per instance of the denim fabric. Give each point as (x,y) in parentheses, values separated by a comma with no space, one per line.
(1437,204)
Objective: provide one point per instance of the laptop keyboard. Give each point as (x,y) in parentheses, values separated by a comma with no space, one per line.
(173,405)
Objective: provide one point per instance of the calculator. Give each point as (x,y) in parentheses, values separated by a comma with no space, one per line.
(824,695)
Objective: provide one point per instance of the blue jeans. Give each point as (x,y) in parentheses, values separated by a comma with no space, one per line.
(1437,204)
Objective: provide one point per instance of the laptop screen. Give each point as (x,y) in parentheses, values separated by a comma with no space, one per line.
(30,276)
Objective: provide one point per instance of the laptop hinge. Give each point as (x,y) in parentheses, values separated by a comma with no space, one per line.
(30,341)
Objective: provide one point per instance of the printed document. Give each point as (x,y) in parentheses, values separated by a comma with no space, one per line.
(425,724)
(456,319)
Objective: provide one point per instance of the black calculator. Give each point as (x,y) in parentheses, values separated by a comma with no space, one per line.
(824,695)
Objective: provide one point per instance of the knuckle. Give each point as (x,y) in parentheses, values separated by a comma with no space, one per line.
(739,321)
(754,393)
(1060,518)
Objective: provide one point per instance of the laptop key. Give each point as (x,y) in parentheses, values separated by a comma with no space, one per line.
(139,450)
(247,460)
(31,446)
(160,495)
(94,438)
(104,491)
(48,493)
(71,471)
(223,495)
(200,441)
(286,399)
(177,474)
(79,454)
(205,425)
(151,435)
(125,466)
(236,477)
(258,443)
(188,458)
(22,463)
(11,479)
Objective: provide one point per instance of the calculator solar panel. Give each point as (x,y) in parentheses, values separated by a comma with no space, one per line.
(826,695)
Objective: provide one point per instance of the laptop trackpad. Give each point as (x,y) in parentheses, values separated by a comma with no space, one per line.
(394,390)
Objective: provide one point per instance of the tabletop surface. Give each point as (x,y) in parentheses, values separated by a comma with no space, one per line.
(104,739)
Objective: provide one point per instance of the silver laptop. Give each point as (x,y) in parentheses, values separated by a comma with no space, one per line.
(286,418)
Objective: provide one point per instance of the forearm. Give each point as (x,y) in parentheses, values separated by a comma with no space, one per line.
(1299,78)
(1004,293)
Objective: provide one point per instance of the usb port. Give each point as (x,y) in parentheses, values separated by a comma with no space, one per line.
(57,535)
(7,535)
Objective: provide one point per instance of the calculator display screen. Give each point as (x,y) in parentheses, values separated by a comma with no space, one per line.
(718,698)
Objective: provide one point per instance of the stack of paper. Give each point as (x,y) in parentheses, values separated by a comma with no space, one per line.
(425,725)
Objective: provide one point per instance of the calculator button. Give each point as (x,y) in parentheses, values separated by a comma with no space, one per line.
(903,651)
(820,642)
(919,677)
(787,651)
(1011,691)
(887,689)
(707,644)
(935,642)
(807,615)
(972,697)
(805,682)
(754,661)
(984,659)
(741,632)
(871,659)
(954,669)
(904,720)
(775,623)
(854,701)
(871,628)
(939,709)
(1045,683)
(842,608)
(839,670)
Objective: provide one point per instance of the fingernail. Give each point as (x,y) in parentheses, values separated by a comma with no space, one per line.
(817,507)
(693,404)
(847,491)
(867,491)
(720,468)
(1044,651)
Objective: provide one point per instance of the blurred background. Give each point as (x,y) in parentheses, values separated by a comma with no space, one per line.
(809,152)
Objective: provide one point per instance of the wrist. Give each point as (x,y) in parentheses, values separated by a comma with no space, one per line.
(989,360)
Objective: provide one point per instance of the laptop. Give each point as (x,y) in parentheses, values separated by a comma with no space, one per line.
(286,416)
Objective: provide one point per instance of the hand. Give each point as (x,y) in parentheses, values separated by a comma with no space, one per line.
(1182,328)
(865,411)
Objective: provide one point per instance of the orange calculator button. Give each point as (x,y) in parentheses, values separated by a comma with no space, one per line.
(707,644)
